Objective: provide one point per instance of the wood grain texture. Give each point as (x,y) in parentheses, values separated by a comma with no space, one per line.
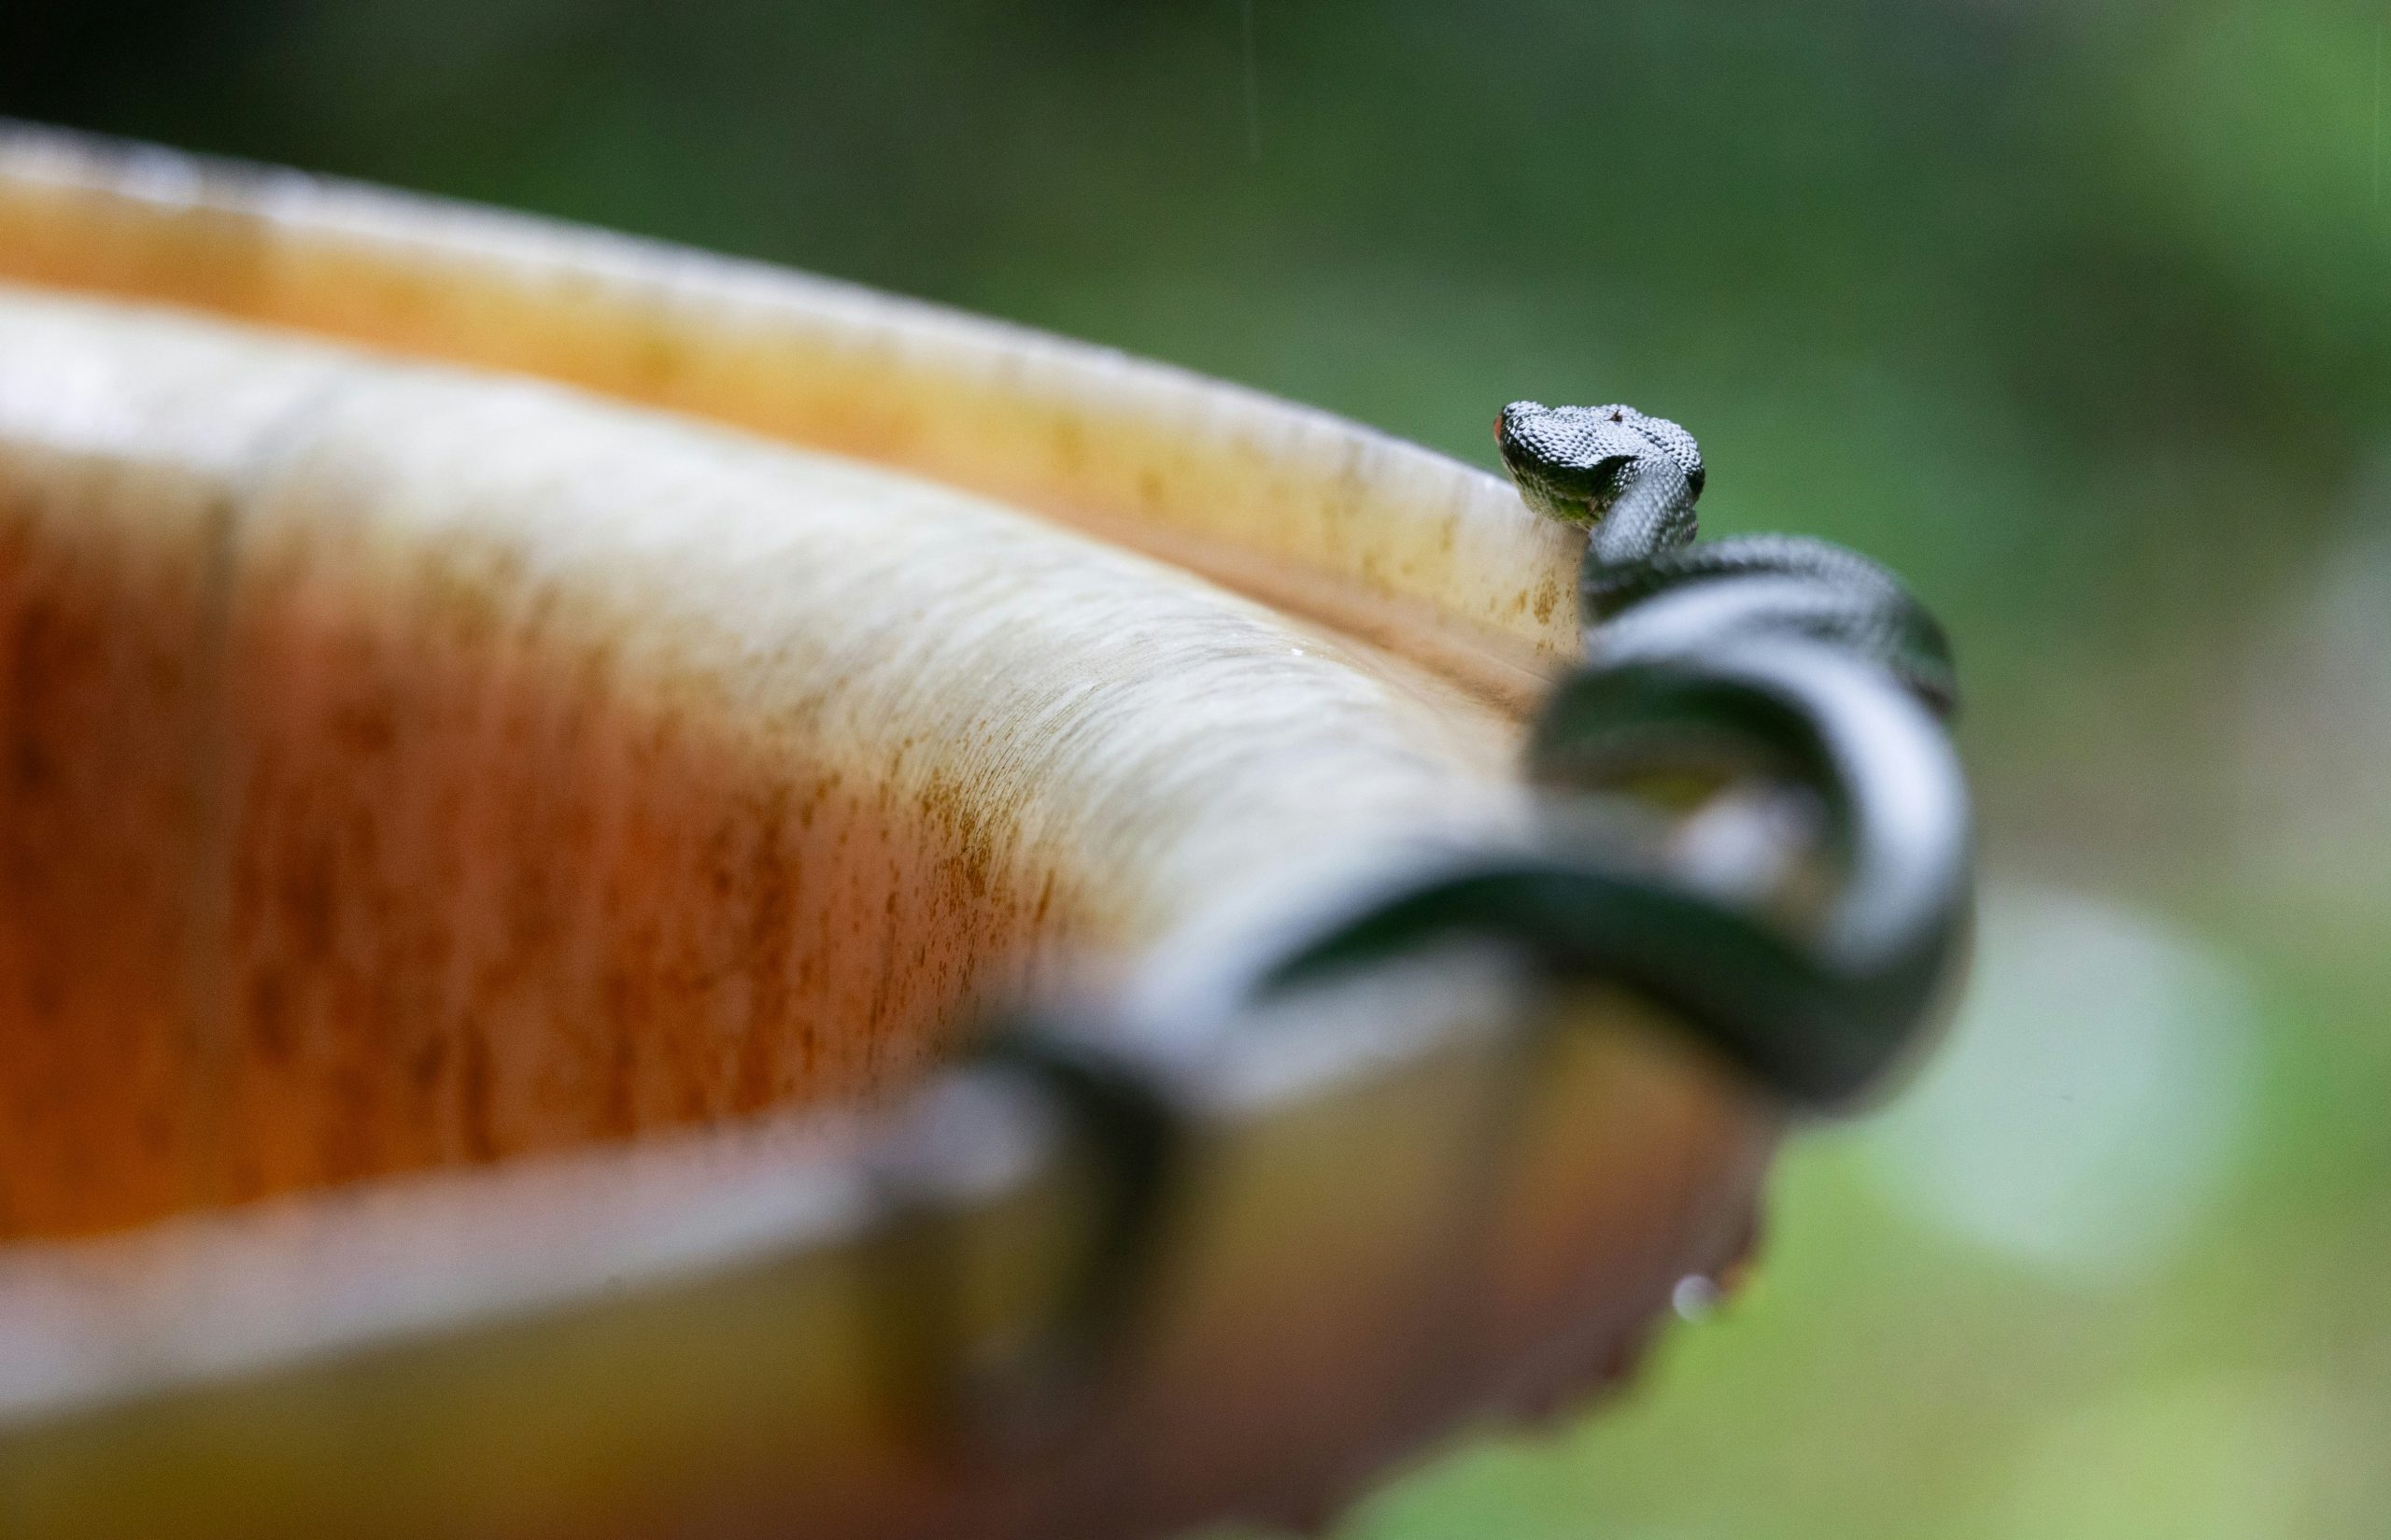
(517,745)
(501,770)
(1376,536)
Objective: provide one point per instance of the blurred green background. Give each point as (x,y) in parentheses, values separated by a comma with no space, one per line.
(2079,314)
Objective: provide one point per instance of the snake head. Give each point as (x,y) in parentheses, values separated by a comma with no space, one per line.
(1571,462)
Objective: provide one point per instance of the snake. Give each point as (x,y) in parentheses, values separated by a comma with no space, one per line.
(1647,589)
(1810,665)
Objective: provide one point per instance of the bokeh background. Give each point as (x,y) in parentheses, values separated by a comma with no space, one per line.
(2076,311)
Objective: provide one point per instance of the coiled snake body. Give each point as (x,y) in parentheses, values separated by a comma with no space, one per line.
(1807,668)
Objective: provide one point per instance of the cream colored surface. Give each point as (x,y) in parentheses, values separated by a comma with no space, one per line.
(1376,536)
(547,770)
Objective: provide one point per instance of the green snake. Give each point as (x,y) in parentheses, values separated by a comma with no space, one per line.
(1804,665)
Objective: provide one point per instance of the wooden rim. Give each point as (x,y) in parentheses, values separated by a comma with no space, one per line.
(1544,1163)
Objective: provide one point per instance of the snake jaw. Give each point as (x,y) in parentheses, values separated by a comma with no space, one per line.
(1544,450)
(1584,512)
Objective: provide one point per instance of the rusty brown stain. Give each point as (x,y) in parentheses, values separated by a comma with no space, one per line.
(95,744)
(1069,438)
(644,878)
(772,881)
(473,1094)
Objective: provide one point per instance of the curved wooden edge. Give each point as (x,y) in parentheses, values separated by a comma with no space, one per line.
(726,1376)
(693,1335)
(427,750)
(1371,535)
(235,1293)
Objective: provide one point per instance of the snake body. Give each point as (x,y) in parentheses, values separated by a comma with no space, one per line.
(1807,669)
